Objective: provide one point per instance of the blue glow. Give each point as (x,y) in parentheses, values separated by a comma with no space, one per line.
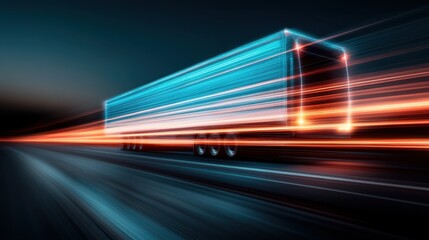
(243,86)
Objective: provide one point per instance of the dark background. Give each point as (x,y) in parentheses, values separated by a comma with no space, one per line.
(60,58)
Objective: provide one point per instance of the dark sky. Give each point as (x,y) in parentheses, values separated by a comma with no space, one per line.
(60,58)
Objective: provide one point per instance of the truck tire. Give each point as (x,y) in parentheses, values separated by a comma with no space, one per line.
(215,147)
(140,144)
(230,145)
(200,145)
(126,143)
(134,144)
(123,143)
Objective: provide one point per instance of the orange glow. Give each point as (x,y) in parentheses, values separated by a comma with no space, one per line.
(347,127)
(396,98)
(341,143)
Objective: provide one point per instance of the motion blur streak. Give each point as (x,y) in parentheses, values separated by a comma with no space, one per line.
(395,97)
(106,209)
(109,193)
(360,143)
(400,95)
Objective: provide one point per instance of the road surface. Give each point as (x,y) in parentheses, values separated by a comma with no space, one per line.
(73,192)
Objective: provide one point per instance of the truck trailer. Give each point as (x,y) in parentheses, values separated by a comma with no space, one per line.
(287,85)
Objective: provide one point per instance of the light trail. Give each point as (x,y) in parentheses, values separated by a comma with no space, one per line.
(399,95)
(95,135)
(356,82)
(319,143)
(363,111)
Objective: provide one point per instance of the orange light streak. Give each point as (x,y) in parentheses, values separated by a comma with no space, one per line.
(385,93)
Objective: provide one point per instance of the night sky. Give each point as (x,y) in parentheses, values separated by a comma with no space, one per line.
(58,59)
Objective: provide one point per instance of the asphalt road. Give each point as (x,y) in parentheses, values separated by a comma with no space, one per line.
(72,192)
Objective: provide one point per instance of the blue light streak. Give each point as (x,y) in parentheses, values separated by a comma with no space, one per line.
(219,91)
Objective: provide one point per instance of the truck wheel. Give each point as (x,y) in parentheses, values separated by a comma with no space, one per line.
(200,145)
(230,145)
(140,144)
(134,144)
(124,144)
(214,145)
(131,144)
(128,143)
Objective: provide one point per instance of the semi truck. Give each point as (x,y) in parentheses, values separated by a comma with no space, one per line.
(287,85)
